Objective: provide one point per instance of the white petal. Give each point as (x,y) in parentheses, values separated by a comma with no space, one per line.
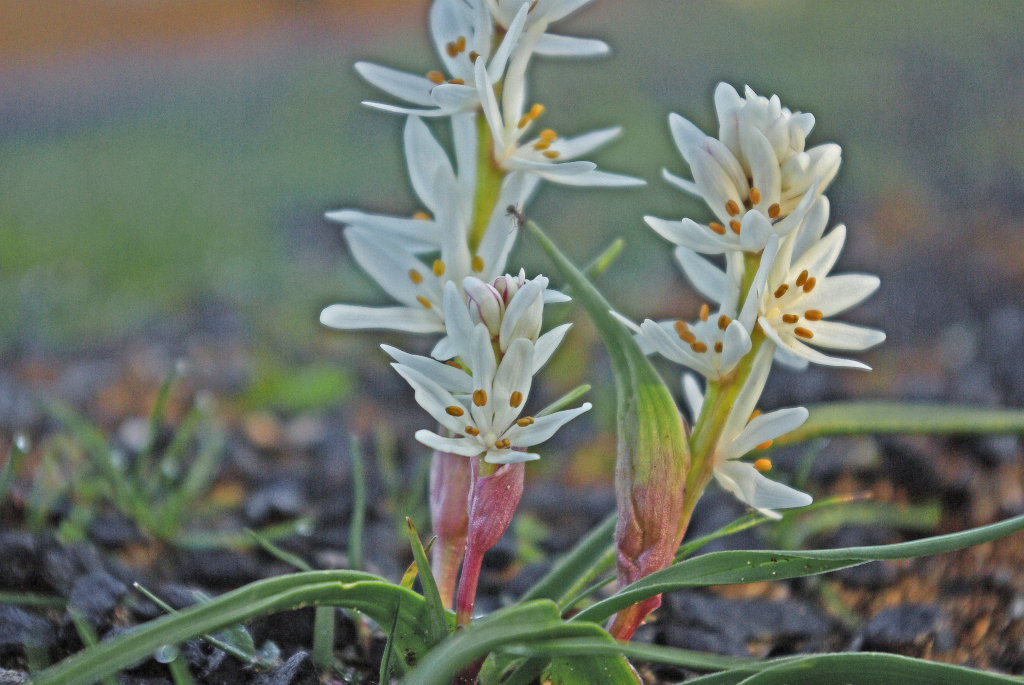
(415,235)
(553,45)
(484,367)
(388,264)
(693,396)
(755,229)
(555,297)
(735,345)
(550,170)
(465,447)
(433,398)
(667,345)
(835,294)
(515,374)
(749,394)
(563,8)
(786,358)
(576,146)
(843,336)
(818,260)
(543,427)
(464,139)
(744,481)
(426,159)
(354,317)
(764,428)
(686,186)
(547,344)
(488,101)
(448,377)
(509,456)
(454,97)
(404,86)
(395,109)
(706,278)
(764,168)
(458,321)
(444,349)
(755,296)
(813,226)
(688,233)
(598,179)
(803,351)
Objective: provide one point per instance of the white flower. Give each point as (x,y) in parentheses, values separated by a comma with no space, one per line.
(796,296)
(758,162)
(546,156)
(483,410)
(390,249)
(542,13)
(463,33)
(743,432)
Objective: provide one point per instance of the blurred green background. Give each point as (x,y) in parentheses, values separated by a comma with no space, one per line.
(158,158)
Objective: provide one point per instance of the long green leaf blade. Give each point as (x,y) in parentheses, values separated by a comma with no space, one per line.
(363,592)
(878,418)
(723,568)
(436,623)
(575,566)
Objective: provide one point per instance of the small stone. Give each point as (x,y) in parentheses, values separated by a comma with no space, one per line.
(18,627)
(906,627)
(18,560)
(8,677)
(298,670)
(96,595)
(277,501)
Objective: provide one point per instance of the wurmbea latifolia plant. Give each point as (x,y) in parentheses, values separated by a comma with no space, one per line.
(764,266)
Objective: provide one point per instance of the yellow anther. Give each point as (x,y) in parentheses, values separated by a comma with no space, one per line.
(415,276)
(774,211)
(802,278)
(683,329)
(438,267)
(525,421)
(523,121)
(548,135)
(732,208)
(754,414)
(473,54)
(705,311)
(723,322)
(435,77)
(479,397)
(551,154)
(698,347)
(790,318)
(422,216)
(478,263)
(764,445)
(719,347)
(454,411)
(763,465)
(735,226)
(506,443)
(541,145)
(515,399)
(457,81)
(803,332)
(813,315)
(472,431)
(687,337)
(809,285)
(452,49)
(781,290)
(454,364)
(755,196)
(717,228)
(460,43)
(424,301)
(535,111)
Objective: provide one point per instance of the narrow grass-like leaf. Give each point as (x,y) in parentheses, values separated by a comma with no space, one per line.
(723,568)
(602,261)
(386,668)
(144,462)
(863,668)
(526,623)
(794,532)
(578,567)
(214,540)
(564,401)
(225,647)
(436,624)
(634,650)
(363,592)
(31,599)
(323,638)
(278,553)
(179,671)
(358,522)
(877,418)
(15,456)
(88,636)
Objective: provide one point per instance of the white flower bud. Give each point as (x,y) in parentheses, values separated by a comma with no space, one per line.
(486,304)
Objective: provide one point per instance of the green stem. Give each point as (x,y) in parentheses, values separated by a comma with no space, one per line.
(488,184)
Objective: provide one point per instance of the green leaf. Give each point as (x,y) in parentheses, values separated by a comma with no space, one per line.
(522,624)
(576,567)
(875,418)
(363,592)
(636,651)
(723,568)
(437,625)
(864,668)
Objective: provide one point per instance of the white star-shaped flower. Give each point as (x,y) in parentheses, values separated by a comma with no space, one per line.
(483,408)
(744,431)
(756,176)
(542,13)
(796,296)
(391,249)
(547,156)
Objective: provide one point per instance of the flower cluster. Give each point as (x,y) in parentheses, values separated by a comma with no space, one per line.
(774,295)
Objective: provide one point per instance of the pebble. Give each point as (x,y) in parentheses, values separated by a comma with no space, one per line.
(277,501)
(907,626)
(9,677)
(96,595)
(17,627)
